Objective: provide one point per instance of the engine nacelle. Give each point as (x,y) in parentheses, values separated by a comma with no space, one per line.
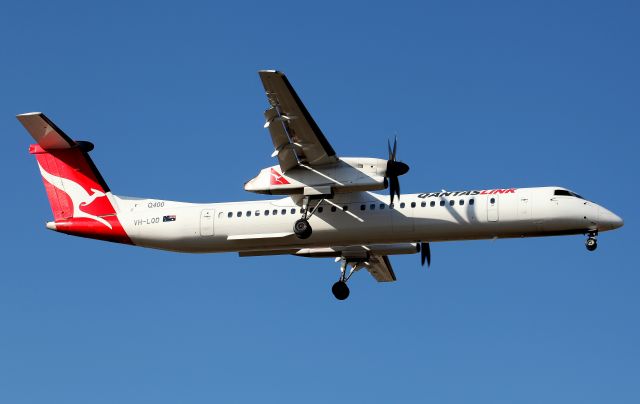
(349,174)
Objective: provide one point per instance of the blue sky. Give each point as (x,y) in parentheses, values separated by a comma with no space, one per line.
(481,95)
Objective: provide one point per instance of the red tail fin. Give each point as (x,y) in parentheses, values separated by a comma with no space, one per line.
(79,197)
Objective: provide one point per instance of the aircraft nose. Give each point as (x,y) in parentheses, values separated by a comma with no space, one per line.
(608,220)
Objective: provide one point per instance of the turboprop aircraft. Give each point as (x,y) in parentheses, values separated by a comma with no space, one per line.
(327,209)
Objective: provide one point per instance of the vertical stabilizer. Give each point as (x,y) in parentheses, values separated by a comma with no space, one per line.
(79,197)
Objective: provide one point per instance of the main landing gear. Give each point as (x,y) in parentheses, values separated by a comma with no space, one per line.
(340,289)
(301,227)
(592,241)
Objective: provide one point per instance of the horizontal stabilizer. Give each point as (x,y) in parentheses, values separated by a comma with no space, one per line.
(45,132)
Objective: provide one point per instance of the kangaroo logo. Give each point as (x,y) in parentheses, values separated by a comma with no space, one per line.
(79,197)
(277,178)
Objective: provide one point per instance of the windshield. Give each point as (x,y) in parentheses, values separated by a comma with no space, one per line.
(564,192)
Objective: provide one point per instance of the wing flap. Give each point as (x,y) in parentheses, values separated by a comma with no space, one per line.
(380,268)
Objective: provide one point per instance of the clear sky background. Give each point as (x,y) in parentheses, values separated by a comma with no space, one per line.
(481,95)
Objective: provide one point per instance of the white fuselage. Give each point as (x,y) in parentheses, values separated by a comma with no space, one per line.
(359,219)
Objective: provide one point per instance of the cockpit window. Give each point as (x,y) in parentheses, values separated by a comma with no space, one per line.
(564,192)
(561,192)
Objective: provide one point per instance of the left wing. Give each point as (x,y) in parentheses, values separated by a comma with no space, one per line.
(296,137)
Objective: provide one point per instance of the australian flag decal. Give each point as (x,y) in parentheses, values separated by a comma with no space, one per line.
(169,218)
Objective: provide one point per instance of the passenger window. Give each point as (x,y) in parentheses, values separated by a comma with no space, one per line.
(239,214)
(320,209)
(333,208)
(293,211)
(248,213)
(402,205)
(441,203)
(461,202)
(345,208)
(301,210)
(432,204)
(381,206)
(493,200)
(362,207)
(471,201)
(257,213)
(413,204)
(266,212)
(423,204)
(452,202)
(275,212)
(283,212)
(230,214)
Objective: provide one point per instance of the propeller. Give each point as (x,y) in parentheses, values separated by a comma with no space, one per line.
(425,253)
(395,169)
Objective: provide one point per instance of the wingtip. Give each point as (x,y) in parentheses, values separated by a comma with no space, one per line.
(271,71)
(29,114)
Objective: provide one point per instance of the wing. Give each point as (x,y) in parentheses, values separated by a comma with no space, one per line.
(296,137)
(374,258)
(380,268)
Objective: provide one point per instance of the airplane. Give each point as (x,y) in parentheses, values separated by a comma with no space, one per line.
(327,205)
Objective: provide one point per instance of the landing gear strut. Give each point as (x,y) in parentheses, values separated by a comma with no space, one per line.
(592,241)
(340,289)
(301,227)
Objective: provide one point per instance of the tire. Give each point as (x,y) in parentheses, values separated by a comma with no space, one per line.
(340,290)
(591,244)
(302,228)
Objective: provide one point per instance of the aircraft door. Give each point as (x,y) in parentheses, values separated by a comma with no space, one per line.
(492,207)
(206,222)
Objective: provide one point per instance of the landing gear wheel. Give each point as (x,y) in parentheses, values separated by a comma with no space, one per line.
(302,228)
(340,290)
(591,244)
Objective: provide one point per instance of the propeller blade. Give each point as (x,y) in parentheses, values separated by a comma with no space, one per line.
(425,253)
(394,187)
(394,170)
(395,147)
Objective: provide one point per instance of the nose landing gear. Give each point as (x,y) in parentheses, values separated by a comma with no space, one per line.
(592,241)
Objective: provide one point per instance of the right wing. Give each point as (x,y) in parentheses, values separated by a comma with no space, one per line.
(374,258)
(380,268)
(296,137)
